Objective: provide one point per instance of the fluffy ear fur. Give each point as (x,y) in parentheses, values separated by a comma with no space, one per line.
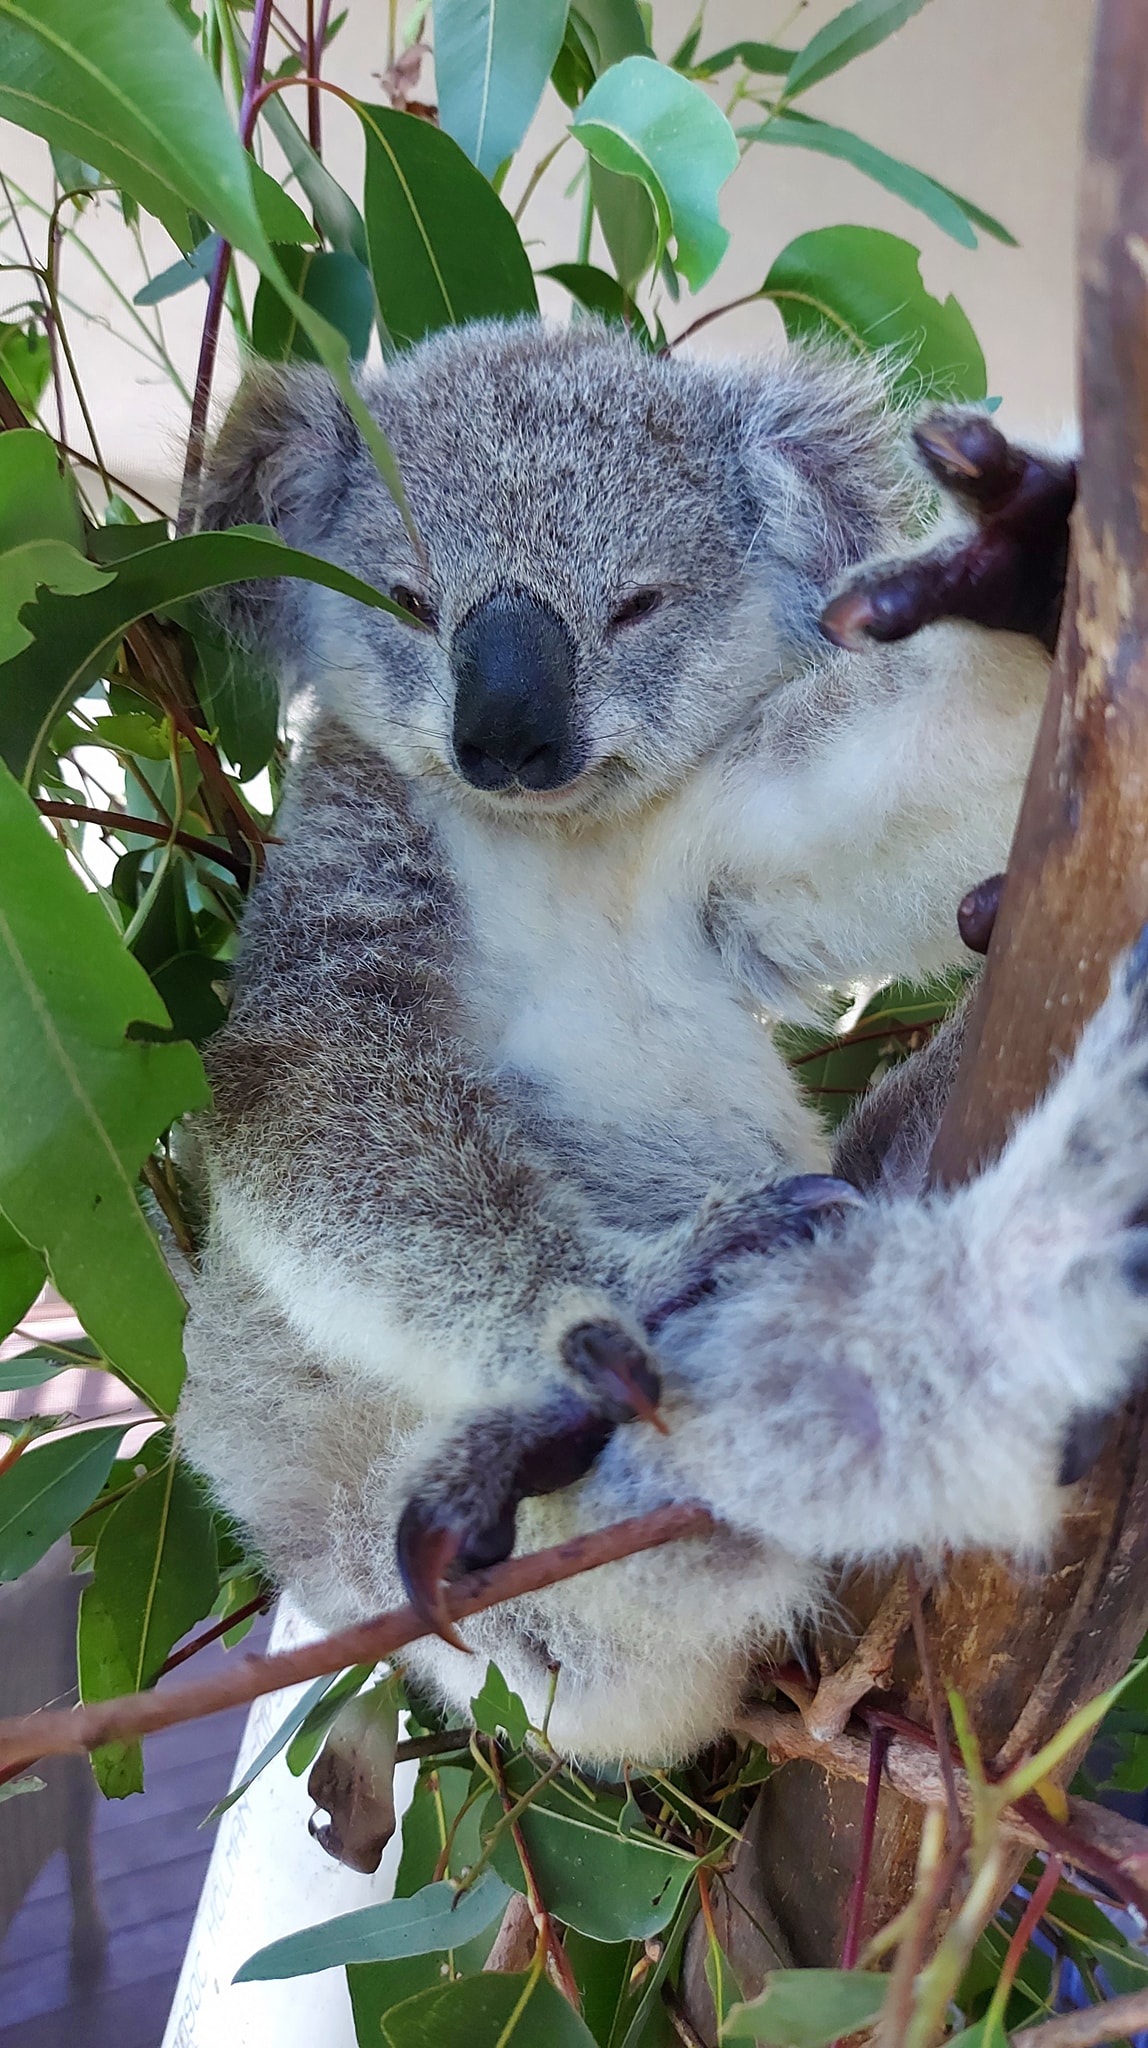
(828,466)
(281,459)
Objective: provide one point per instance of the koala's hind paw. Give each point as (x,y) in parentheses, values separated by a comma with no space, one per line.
(463,1516)
(760,1220)
(1008,573)
(617,1370)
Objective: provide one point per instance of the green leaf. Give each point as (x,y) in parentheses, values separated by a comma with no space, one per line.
(21,1278)
(282,1736)
(443,248)
(609,1885)
(942,207)
(611,30)
(808,2008)
(643,120)
(724,1988)
(89,1106)
(766,58)
(39,565)
(44,1491)
(336,215)
(435,1919)
(283,219)
(194,268)
(25,363)
(156,1575)
(335,284)
(629,223)
(864,286)
(75,637)
(512,2012)
(31,1369)
(847,36)
(311,1733)
(492,59)
(600,293)
(16,1786)
(37,502)
(496,1708)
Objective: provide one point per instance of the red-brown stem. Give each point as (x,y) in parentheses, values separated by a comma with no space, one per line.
(851,1947)
(547,1932)
(13,1450)
(118,821)
(316,39)
(209,340)
(259,1605)
(59,1731)
(1030,1920)
(704,319)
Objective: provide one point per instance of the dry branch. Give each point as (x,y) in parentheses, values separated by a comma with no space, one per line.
(1090,2029)
(55,1732)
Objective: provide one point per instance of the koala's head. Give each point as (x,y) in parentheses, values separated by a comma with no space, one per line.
(620,554)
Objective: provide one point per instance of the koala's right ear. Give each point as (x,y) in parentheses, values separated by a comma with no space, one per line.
(282,458)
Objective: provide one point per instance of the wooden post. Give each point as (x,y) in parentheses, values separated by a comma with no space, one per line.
(1026,1649)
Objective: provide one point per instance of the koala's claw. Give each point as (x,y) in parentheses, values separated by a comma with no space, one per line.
(1008,573)
(425,1551)
(617,1370)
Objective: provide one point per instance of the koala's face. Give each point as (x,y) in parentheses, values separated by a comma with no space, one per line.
(620,555)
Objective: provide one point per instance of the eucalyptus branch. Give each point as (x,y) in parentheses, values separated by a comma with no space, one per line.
(148,828)
(59,1732)
(1091,2028)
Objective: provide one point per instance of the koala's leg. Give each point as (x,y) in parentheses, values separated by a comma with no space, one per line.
(914,1375)
(1008,572)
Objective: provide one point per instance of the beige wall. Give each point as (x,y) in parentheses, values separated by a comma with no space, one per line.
(984,94)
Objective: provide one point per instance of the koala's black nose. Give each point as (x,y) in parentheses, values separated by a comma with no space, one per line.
(513,665)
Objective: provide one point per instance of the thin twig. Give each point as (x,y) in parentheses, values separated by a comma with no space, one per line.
(1029,1921)
(227,1622)
(147,828)
(937,1711)
(55,1733)
(1090,2029)
(548,1934)
(851,1947)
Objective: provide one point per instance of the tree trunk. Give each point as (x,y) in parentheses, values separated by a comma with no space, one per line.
(1025,1650)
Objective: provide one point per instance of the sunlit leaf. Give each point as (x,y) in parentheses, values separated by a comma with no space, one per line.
(38,565)
(25,363)
(435,1919)
(491,60)
(44,1491)
(643,120)
(443,248)
(89,1104)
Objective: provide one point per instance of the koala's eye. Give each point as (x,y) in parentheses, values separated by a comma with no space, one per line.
(638,606)
(419,608)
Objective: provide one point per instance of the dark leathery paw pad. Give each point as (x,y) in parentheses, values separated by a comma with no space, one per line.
(1082,1446)
(616,1368)
(965,448)
(977,913)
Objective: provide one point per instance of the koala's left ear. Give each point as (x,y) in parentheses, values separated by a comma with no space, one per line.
(282,458)
(826,459)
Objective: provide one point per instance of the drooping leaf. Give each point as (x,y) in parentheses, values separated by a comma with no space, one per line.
(443,248)
(629,224)
(863,286)
(954,215)
(311,1733)
(21,1278)
(435,1919)
(156,1575)
(75,636)
(25,363)
(336,214)
(515,2012)
(643,120)
(491,61)
(611,30)
(848,35)
(89,1105)
(600,293)
(335,284)
(194,268)
(767,58)
(808,2008)
(287,1728)
(44,1491)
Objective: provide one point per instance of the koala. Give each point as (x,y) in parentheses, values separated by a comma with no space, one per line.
(519,1222)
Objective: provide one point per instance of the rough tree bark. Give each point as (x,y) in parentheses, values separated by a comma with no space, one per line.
(1026,1650)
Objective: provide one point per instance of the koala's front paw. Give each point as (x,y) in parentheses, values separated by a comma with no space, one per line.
(463,1515)
(760,1220)
(1008,573)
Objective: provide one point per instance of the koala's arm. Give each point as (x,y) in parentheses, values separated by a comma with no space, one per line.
(885,779)
(364,1171)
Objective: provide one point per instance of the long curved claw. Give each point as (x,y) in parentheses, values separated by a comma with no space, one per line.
(618,1372)
(426,1549)
(817,1191)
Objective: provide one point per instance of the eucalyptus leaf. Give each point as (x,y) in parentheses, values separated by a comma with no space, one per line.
(75,637)
(15,1787)
(156,1575)
(336,284)
(310,1735)
(767,58)
(443,248)
(864,287)
(609,1885)
(848,35)
(514,2012)
(611,30)
(25,363)
(496,1709)
(89,1106)
(434,1920)
(645,121)
(492,59)
(335,211)
(599,293)
(629,224)
(37,502)
(46,1489)
(955,216)
(287,1728)
(21,1278)
(808,2008)
(30,1369)
(38,565)
(194,268)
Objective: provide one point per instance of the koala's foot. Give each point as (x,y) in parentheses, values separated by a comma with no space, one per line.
(760,1220)
(463,1514)
(1008,573)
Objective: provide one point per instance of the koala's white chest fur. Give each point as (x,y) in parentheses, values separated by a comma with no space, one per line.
(597,984)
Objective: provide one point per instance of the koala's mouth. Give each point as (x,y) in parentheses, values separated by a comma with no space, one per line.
(590,783)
